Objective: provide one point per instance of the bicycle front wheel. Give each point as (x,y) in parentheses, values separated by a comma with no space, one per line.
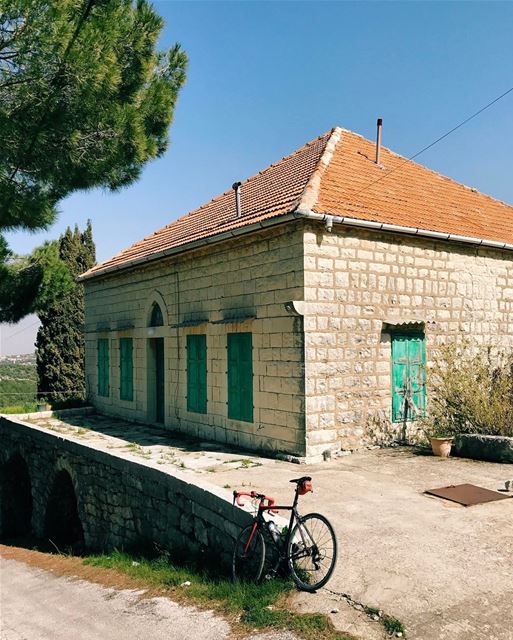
(312,552)
(248,555)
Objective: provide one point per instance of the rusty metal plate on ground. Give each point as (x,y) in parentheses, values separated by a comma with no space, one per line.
(466,494)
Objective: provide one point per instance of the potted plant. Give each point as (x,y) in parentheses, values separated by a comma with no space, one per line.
(441,444)
(43,405)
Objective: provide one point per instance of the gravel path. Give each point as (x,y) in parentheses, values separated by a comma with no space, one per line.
(35,604)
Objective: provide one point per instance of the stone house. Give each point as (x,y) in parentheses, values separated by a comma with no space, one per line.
(295,312)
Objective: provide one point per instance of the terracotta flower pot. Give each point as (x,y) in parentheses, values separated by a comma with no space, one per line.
(441,446)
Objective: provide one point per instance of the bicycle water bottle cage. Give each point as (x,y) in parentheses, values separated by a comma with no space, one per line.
(304,485)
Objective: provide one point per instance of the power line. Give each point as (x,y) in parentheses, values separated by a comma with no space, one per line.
(33,324)
(432,144)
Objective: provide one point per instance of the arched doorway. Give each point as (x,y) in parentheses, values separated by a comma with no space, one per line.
(16,498)
(62,522)
(156,362)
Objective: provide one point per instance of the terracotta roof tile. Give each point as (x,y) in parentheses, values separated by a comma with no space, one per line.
(402,192)
(336,174)
(270,193)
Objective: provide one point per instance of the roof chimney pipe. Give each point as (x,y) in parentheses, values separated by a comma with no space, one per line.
(378,139)
(236,188)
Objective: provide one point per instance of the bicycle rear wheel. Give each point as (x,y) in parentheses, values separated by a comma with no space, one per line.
(248,559)
(312,552)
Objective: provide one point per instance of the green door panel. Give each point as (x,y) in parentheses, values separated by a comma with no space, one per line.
(159,379)
(408,376)
(103,367)
(126,369)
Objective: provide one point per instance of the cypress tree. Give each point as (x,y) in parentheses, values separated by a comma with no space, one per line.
(60,339)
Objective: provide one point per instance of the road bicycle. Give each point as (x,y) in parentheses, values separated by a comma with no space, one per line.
(307,548)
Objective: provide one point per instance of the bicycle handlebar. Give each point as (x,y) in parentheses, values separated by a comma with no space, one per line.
(254,495)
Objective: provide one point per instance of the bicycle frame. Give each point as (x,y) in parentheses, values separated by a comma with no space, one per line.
(261,522)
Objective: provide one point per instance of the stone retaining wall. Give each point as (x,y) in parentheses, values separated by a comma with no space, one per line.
(122,502)
(479,447)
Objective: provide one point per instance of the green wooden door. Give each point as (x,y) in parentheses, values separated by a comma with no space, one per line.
(126,369)
(408,376)
(103,367)
(159,379)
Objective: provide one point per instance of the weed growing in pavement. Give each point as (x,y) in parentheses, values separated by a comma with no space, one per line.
(393,625)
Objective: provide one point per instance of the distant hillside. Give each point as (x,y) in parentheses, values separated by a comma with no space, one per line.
(26,358)
(18,380)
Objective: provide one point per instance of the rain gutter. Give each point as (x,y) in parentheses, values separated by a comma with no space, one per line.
(329,220)
(189,246)
(325,218)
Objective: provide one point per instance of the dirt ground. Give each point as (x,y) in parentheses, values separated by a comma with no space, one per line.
(444,570)
(44,596)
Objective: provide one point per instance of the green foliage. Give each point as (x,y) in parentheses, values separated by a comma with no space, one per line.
(258,605)
(393,625)
(17,387)
(28,284)
(60,341)
(86,100)
(471,391)
(26,407)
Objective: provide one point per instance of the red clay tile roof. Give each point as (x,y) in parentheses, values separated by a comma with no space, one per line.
(270,193)
(411,196)
(335,174)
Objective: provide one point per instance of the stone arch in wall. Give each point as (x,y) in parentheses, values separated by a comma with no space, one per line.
(155,299)
(15,498)
(62,523)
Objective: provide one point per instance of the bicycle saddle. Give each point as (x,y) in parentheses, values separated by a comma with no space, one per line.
(301,480)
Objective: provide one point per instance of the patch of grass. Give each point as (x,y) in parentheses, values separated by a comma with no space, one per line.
(26,407)
(259,606)
(137,450)
(390,624)
(393,625)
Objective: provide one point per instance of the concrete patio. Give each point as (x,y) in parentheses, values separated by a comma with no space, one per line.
(444,570)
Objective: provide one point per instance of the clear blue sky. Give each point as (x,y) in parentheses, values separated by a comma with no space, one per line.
(265,77)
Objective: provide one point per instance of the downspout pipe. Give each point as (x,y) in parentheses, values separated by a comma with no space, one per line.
(329,220)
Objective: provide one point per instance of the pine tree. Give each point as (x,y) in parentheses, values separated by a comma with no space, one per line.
(86,100)
(60,340)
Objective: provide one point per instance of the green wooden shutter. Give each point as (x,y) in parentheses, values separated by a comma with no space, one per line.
(197,373)
(103,367)
(233,376)
(126,369)
(240,376)
(408,376)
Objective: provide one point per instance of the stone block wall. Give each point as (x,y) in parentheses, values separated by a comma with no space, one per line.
(123,502)
(247,280)
(360,284)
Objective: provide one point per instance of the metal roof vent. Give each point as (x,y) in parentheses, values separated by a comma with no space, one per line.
(379,126)
(236,188)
